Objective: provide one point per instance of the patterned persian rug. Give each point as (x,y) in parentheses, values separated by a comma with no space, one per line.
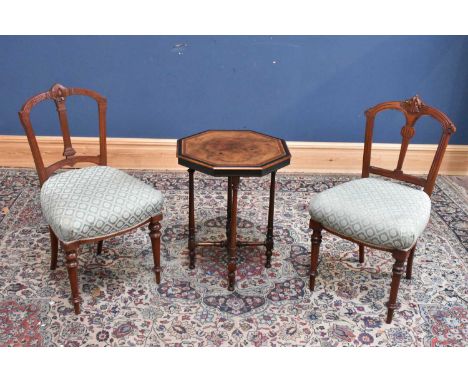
(122,305)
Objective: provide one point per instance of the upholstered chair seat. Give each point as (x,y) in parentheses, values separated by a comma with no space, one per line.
(95,202)
(380,213)
(373,211)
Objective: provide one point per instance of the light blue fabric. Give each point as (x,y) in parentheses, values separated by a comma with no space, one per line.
(374,211)
(96,201)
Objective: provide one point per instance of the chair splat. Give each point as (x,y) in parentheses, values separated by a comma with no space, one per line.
(413,106)
(59,96)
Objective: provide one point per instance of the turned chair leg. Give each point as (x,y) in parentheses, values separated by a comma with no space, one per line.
(99,247)
(316,239)
(398,269)
(361,253)
(409,264)
(155,235)
(72,268)
(53,249)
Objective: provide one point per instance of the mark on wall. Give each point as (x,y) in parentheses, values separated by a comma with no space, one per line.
(179,48)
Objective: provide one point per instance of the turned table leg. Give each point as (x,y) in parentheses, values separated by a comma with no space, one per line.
(271,212)
(228,215)
(232,243)
(191,241)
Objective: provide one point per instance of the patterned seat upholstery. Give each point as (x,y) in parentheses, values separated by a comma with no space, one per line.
(374,211)
(96,201)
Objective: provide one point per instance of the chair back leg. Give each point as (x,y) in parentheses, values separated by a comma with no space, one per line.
(409,264)
(99,247)
(316,239)
(155,236)
(53,249)
(361,253)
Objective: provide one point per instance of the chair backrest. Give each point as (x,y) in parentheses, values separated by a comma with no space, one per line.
(413,109)
(59,93)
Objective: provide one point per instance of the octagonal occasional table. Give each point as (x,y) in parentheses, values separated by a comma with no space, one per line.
(232,154)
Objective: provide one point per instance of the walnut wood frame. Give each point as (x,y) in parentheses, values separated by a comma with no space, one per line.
(59,93)
(412,109)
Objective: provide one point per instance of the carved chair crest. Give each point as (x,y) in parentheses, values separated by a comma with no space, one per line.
(412,109)
(59,93)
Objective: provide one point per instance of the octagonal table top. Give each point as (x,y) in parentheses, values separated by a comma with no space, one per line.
(233,153)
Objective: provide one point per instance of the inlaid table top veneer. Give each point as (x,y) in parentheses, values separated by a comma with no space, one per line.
(234,154)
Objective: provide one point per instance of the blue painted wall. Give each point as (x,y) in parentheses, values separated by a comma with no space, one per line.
(305,88)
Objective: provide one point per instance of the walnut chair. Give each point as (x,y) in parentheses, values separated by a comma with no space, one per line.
(379,213)
(90,204)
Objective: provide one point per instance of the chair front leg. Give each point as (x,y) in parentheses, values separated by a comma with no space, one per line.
(71,254)
(53,249)
(155,236)
(398,269)
(409,264)
(316,239)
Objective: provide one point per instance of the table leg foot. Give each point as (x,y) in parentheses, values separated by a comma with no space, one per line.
(192,263)
(269,249)
(268,259)
(232,279)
